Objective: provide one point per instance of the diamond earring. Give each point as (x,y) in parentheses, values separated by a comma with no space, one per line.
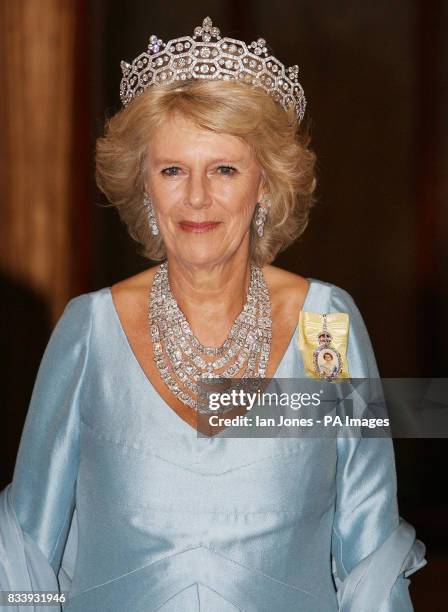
(261,214)
(147,202)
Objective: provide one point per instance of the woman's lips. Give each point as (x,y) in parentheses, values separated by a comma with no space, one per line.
(204,226)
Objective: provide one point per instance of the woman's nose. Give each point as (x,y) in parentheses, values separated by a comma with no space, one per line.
(198,193)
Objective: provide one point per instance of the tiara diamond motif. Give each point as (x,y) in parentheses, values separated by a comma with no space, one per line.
(207,55)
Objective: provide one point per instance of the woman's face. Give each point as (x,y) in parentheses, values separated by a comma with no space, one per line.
(204,187)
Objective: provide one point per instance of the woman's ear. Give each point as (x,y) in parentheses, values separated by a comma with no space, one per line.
(263,188)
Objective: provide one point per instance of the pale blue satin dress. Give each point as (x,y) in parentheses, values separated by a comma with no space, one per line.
(116,500)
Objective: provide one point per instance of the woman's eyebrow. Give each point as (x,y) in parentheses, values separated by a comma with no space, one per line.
(170,160)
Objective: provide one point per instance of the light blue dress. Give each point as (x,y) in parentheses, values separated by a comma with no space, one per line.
(115,499)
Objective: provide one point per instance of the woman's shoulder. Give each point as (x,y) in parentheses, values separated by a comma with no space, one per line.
(123,288)
(308,292)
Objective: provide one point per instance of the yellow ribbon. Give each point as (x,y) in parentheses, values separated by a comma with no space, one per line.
(310,324)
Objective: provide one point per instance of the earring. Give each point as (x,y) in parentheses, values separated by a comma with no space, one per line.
(261,214)
(147,202)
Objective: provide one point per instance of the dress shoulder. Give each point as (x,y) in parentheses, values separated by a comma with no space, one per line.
(330,296)
(76,317)
(77,320)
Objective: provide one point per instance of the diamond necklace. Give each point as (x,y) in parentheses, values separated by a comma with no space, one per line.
(183,361)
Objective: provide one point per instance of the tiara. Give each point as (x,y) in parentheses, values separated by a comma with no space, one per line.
(207,55)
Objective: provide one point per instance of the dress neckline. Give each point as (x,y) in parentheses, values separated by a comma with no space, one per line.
(147,381)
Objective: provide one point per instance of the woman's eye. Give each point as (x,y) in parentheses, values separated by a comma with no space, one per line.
(229,170)
(172,170)
(167,171)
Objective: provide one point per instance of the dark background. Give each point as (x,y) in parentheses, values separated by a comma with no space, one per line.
(374,75)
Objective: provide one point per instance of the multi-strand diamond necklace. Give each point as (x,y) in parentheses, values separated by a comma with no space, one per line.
(183,361)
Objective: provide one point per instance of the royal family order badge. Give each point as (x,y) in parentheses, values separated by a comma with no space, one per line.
(323,342)
(327,361)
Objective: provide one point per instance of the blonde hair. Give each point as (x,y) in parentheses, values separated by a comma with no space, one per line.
(279,144)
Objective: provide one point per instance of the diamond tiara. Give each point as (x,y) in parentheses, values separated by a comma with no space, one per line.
(207,55)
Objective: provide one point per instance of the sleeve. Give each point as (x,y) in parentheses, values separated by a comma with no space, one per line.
(37,507)
(373,549)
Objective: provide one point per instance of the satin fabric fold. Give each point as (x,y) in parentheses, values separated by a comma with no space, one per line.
(115,498)
(369,585)
(23,567)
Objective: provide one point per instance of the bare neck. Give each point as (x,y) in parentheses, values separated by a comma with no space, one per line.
(210,297)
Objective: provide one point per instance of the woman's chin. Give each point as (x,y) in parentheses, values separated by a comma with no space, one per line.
(202,249)
(200,256)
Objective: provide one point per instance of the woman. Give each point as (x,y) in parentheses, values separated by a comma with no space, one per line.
(328,366)
(114,495)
